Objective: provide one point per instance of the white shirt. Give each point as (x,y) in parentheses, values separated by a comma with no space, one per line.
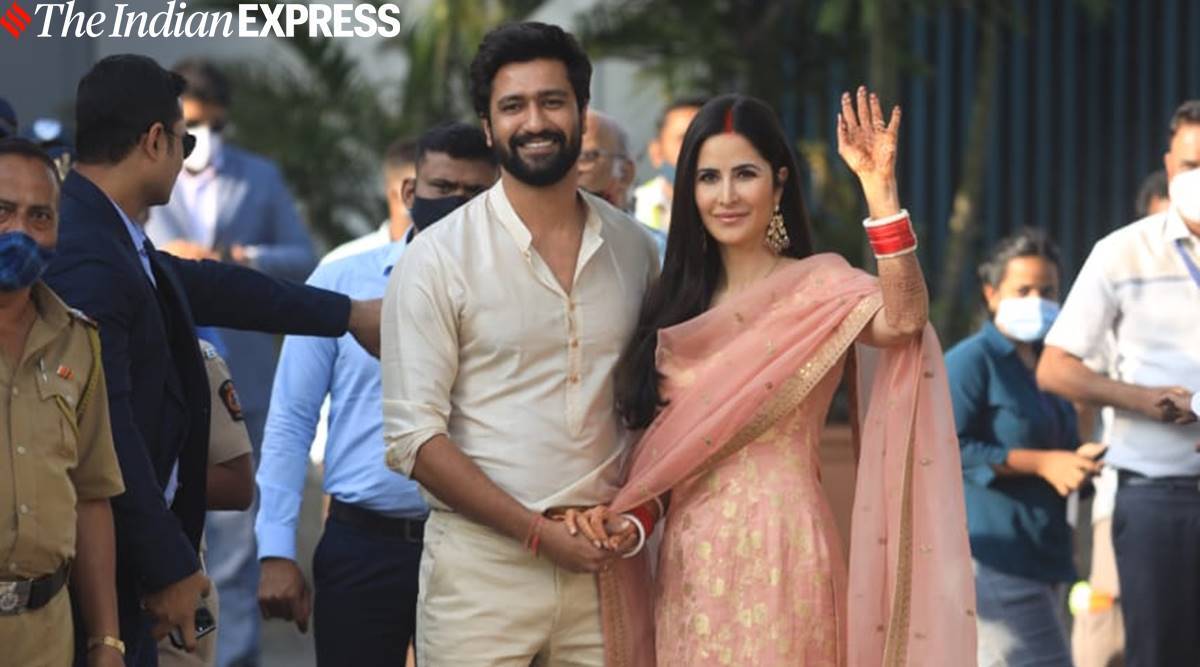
(200,198)
(496,356)
(1134,293)
(375,239)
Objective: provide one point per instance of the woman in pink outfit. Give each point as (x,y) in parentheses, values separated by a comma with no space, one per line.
(738,352)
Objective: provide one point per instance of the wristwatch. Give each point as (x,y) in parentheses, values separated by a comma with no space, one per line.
(106,640)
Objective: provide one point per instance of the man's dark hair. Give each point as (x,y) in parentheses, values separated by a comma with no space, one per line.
(205,81)
(116,103)
(26,148)
(689,102)
(399,153)
(523,42)
(458,140)
(1154,187)
(1188,113)
(1028,242)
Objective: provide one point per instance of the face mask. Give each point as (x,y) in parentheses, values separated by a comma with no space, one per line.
(667,171)
(208,142)
(1026,319)
(22,261)
(1185,195)
(425,212)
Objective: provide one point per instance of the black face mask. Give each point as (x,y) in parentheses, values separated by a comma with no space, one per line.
(425,212)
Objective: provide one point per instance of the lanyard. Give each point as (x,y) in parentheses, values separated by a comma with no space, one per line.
(1191,266)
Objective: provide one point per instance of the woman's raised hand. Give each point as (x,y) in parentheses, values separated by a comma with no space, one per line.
(865,141)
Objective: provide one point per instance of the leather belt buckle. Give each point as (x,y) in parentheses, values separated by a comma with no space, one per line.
(14,596)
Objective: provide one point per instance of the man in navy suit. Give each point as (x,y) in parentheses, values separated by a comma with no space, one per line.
(231,205)
(131,142)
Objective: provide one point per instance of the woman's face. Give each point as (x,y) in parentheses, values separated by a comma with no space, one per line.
(736,190)
(1024,276)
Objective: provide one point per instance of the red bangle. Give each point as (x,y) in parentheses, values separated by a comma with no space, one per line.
(891,236)
(645,517)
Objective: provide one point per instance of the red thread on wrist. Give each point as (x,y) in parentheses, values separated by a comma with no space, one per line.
(533,538)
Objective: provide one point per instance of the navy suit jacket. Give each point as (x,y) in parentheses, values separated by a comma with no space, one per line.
(157,388)
(254,209)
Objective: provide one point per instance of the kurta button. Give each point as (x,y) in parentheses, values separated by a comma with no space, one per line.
(574,343)
(16,392)
(20,449)
(24,509)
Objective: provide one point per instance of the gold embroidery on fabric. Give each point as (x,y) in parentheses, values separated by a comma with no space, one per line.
(796,388)
(610,599)
(896,646)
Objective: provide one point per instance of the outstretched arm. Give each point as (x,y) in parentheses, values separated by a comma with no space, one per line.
(868,145)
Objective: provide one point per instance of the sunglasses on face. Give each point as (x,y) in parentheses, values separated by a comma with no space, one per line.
(189,142)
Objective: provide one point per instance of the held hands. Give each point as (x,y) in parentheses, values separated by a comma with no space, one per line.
(572,551)
(175,607)
(605,530)
(1067,471)
(283,592)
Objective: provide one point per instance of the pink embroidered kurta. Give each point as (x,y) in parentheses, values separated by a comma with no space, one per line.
(751,571)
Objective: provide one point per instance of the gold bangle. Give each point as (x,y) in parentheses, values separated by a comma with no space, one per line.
(106,640)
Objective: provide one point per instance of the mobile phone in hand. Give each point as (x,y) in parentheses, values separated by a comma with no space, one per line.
(205,623)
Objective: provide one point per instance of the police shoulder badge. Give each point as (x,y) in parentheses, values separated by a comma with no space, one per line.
(230,398)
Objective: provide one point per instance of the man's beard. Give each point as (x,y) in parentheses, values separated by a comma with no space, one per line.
(546,171)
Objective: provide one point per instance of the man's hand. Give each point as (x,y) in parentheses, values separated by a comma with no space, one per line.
(573,552)
(1066,471)
(175,607)
(283,593)
(189,250)
(365,318)
(1170,405)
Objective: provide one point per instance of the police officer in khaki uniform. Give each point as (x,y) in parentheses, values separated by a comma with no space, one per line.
(58,467)
(230,487)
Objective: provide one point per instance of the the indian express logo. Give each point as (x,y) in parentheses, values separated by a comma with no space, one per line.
(61,19)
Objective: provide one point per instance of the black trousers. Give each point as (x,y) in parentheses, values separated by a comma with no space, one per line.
(1156,536)
(365,605)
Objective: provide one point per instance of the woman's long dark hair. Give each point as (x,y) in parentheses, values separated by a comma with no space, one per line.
(692,269)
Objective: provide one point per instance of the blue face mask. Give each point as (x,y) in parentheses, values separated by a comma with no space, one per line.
(1026,319)
(22,261)
(667,171)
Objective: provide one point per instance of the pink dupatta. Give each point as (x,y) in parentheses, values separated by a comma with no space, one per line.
(911,591)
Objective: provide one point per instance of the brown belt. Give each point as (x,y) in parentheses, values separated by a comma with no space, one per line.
(30,594)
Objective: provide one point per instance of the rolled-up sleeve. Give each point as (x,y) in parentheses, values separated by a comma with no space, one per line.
(1082,328)
(419,352)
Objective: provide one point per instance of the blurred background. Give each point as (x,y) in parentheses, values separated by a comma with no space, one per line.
(1017,112)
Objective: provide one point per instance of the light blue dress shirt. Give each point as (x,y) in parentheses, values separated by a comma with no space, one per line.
(309,369)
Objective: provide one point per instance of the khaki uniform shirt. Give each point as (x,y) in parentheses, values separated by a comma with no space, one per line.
(56,448)
(227,435)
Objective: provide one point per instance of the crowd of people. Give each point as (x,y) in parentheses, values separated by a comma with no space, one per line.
(567,420)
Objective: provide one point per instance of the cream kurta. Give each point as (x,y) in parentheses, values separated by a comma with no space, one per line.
(481,343)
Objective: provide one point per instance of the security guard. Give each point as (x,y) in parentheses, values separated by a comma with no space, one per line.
(230,487)
(58,467)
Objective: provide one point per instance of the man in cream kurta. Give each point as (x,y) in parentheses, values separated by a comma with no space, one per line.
(518,374)
(502,326)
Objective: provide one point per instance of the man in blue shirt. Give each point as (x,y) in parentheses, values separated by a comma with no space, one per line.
(366,565)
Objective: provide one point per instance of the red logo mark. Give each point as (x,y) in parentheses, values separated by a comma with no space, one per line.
(15,20)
